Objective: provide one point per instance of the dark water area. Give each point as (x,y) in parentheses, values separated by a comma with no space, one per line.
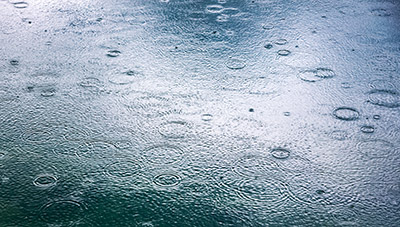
(199,113)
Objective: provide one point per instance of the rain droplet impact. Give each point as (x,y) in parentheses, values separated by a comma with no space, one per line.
(325,73)
(48,92)
(65,212)
(235,63)
(283,52)
(280,153)
(113,53)
(268,46)
(377,117)
(214,8)
(367,129)
(385,98)
(45,181)
(346,113)
(167,180)
(14,62)
(309,76)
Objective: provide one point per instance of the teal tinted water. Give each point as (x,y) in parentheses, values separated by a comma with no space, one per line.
(199,113)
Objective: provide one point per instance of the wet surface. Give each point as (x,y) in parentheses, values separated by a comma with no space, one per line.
(199,113)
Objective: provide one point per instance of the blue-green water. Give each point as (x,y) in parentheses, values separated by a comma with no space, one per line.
(199,113)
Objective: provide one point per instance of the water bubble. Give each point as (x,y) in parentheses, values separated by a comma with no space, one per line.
(280,153)
(376,148)
(206,117)
(163,154)
(113,53)
(214,8)
(235,63)
(385,98)
(174,129)
(367,129)
(377,117)
(346,113)
(281,42)
(339,135)
(167,180)
(325,73)
(64,212)
(123,168)
(45,181)
(283,52)
(20,5)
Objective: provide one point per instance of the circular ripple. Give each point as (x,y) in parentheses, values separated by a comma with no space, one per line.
(214,8)
(174,129)
(113,53)
(320,189)
(235,63)
(376,148)
(281,42)
(284,52)
(280,153)
(255,166)
(385,98)
(346,113)
(309,76)
(263,190)
(123,168)
(163,154)
(324,73)
(125,78)
(64,212)
(99,149)
(339,135)
(21,5)
(167,180)
(45,181)
(89,82)
(367,129)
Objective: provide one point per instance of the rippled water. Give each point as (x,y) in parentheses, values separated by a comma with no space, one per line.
(199,113)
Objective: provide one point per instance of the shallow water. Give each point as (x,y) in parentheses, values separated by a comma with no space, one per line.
(199,113)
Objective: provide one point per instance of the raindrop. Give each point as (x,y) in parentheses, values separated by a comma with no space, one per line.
(287,114)
(206,117)
(113,53)
(367,129)
(251,110)
(167,180)
(235,63)
(174,129)
(283,52)
(281,42)
(214,8)
(45,181)
(385,98)
(280,153)
(20,5)
(267,26)
(346,113)
(62,212)
(377,117)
